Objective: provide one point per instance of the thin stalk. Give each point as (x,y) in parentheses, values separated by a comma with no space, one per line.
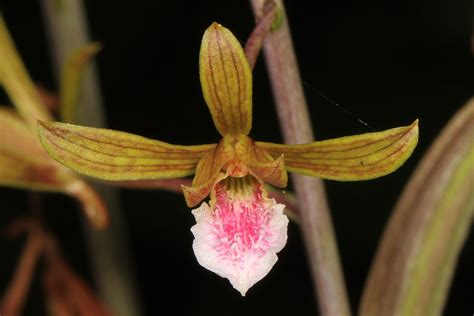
(109,250)
(315,218)
(15,296)
(254,43)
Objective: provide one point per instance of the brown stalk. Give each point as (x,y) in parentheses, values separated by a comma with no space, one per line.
(316,221)
(255,41)
(13,301)
(66,290)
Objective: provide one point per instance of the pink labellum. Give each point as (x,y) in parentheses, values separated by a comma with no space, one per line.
(239,237)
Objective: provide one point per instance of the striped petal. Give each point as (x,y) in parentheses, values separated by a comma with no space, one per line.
(351,158)
(226,81)
(261,164)
(209,171)
(113,155)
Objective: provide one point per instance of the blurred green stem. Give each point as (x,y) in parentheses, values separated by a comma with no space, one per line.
(315,218)
(109,251)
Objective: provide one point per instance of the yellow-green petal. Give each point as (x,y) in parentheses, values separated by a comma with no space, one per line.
(260,163)
(208,172)
(226,81)
(17,83)
(234,156)
(352,158)
(273,172)
(113,155)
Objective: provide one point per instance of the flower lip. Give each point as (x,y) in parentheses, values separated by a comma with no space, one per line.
(240,233)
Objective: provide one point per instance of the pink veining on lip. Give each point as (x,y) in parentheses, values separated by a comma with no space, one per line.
(239,237)
(239,226)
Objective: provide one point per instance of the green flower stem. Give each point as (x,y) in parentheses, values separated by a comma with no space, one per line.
(316,221)
(108,249)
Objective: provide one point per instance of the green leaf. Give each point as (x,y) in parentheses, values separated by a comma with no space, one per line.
(417,256)
(350,158)
(113,155)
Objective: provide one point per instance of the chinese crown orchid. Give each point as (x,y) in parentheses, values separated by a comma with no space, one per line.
(240,231)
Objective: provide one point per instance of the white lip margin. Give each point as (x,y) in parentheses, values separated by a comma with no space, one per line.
(256,267)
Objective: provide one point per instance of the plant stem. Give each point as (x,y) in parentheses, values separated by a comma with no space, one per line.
(254,43)
(109,251)
(315,218)
(17,291)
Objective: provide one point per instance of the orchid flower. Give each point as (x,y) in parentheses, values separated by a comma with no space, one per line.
(240,231)
(23,161)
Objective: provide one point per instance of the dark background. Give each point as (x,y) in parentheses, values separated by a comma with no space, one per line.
(387,62)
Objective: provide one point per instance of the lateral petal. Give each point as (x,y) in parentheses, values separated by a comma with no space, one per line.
(261,164)
(352,158)
(113,155)
(209,171)
(273,172)
(226,81)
